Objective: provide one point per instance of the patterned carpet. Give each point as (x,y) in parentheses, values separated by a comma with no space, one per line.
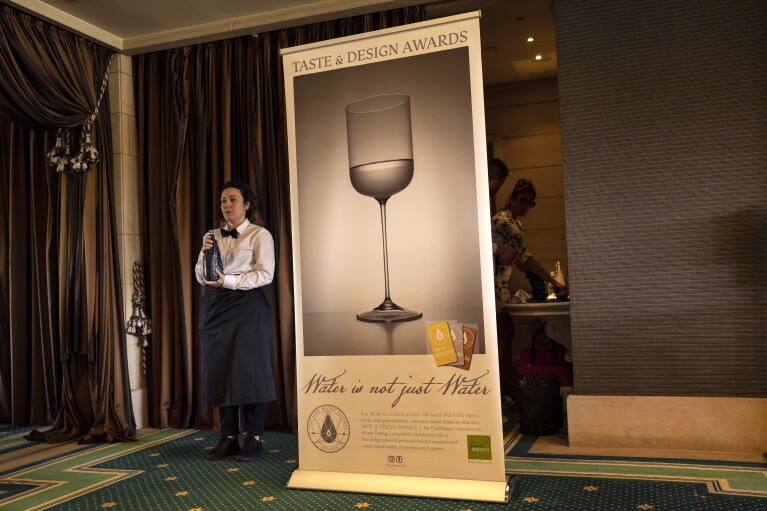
(166,470)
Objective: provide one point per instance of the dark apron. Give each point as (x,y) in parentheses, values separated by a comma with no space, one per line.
(235,347)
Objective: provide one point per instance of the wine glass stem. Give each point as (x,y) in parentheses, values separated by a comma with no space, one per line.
(382,203)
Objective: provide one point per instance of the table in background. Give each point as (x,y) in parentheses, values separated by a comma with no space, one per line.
(554,315)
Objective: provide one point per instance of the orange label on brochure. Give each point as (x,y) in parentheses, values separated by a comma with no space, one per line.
(469,340)
(441,343)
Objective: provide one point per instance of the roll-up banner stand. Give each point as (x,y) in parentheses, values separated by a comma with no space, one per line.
(397,360)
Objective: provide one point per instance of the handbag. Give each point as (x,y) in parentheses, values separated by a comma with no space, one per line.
(549,361)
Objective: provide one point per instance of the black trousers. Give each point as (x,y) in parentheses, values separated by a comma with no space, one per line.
(255,414)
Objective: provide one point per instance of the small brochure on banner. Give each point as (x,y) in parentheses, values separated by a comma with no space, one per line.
(456,334)
(441,342)
(469,340)
(463,337)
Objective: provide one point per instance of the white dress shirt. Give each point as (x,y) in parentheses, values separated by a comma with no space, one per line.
(248,260)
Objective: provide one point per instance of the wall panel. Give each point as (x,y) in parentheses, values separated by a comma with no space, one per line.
(663,112)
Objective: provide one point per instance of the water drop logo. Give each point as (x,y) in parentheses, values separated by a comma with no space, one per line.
(329,433)
(328,428)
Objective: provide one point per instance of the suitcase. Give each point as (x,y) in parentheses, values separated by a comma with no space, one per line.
(549,361)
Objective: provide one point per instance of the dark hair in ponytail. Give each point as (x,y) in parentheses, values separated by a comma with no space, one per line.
(253,215)
(523,185)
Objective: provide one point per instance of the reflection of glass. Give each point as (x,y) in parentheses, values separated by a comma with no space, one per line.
(380,165)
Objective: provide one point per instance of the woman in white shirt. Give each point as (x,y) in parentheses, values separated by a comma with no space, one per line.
(235,324)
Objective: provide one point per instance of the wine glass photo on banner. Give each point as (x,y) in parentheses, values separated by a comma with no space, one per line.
(381,164)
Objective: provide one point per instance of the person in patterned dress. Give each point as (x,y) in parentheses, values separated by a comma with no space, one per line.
(507,231)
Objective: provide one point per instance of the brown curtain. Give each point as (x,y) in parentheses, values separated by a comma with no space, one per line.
(61,331)
(207,114)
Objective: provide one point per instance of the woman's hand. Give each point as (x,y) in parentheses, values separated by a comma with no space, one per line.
(215,283)
(207,243)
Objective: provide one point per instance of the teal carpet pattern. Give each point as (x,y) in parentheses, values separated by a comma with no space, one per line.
(167,470)
(8,430)
(11,438)
(604,482)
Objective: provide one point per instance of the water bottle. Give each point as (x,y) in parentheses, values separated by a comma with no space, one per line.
(212,261)
(558,274)
(551,294)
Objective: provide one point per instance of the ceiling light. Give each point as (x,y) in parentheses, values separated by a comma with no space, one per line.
(530,39)
(538,57)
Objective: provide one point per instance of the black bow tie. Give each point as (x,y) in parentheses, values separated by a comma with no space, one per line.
(234,233)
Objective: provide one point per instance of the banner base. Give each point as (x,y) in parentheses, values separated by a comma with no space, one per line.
(404,486)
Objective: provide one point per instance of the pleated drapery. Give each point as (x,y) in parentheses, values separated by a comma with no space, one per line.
(207,114)
(62,335)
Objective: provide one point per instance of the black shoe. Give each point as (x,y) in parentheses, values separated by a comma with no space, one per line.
(252,449)
(225,447)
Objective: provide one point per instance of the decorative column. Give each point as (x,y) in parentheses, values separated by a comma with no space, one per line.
(126,183)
